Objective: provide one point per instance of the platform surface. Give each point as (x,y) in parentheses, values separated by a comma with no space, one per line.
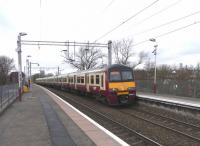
(185,101)
(43,119)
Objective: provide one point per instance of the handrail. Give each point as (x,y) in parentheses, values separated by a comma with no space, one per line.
(8,93)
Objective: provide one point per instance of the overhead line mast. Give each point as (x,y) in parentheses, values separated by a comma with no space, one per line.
(74,44)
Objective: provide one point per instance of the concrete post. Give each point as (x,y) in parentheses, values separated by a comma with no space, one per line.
(109,53)
(19,67)
(155,83)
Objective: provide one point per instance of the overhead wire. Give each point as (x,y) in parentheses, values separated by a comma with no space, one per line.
(167,33)
(158,12)
(167,23)
(109,4)
(126,20)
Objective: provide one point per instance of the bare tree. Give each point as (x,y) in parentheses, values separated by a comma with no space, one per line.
(85,58)
(6,65)
(123,53)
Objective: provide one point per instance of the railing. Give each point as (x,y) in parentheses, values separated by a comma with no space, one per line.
(8,93)
(188,88)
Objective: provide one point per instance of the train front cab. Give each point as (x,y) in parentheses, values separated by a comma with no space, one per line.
(121,85)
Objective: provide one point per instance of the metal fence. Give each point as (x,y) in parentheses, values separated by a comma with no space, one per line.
(8,93)
(187,88)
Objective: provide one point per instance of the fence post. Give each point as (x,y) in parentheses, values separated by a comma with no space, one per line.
(8,88)
(1,96)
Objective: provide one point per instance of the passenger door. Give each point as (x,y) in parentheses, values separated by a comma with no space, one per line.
(87,82)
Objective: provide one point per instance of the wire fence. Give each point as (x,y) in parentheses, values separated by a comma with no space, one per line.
(186,88)
(8,93)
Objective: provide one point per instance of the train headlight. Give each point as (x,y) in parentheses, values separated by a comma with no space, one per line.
(113,90)
(132,90)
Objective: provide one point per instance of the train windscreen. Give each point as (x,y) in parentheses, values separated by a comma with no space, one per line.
(120,76)
(115,76)
(127,76)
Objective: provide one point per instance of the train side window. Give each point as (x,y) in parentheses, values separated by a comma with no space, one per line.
(102,81)
(97,79)
(82,79)
(78,79)
(92,79)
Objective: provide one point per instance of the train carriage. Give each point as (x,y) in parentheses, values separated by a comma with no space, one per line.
(114,85)
(121,87)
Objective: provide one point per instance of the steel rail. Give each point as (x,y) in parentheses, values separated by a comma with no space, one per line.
(178,121)
(145,138)
(168,128)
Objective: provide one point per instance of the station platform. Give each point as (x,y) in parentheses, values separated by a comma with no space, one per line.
(175,100)
(44,119)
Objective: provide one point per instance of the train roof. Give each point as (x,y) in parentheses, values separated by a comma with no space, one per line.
(118,66)
(95,70)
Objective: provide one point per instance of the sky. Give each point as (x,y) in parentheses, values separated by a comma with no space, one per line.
(88,20)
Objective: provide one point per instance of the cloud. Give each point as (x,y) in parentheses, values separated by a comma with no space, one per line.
(4,22)
(84,21)
(192,48)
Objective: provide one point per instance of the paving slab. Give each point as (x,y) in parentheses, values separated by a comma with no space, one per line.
(38,121)
(24,124)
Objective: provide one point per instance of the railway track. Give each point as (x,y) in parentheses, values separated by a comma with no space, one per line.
(129,135)
(169,118)
(137,131)
(188,130)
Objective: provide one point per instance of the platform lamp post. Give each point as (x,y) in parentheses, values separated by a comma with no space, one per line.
(155,53)
(19,51)
(27,63)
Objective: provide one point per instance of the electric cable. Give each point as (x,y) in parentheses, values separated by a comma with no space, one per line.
(167,23)
(167,33)
(126,20)
(158,12)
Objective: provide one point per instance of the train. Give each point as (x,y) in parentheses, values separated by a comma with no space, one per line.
(114,85)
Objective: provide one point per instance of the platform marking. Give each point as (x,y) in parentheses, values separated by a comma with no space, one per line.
(58,133)
(116,138)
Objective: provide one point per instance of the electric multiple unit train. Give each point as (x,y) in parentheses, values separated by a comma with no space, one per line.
(114,85)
